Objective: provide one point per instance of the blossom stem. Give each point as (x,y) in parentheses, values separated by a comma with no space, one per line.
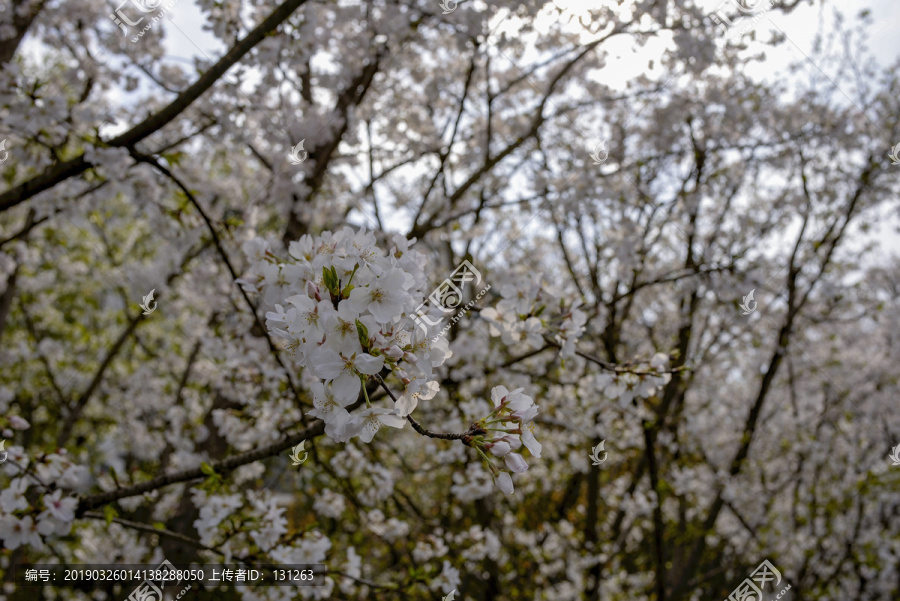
(465,437)
(490,464)
(352,273)
(365,393)
(27,472)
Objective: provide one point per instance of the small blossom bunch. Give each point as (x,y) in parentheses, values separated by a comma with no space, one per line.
(511,419)
(343,308)
(21,523)
(626,387)
(522,316)
(213,511)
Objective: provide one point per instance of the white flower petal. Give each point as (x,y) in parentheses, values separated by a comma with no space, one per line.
(367,364)
(515,463)
(504,483)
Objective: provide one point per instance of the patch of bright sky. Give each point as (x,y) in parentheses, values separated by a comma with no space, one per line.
(799,28)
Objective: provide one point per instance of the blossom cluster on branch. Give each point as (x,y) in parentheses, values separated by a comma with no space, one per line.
(345,310)
(52,477)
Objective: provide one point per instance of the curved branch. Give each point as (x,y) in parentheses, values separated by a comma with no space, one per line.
(465,437)
(140,157)
(225,465)
(63,170)
(95,382)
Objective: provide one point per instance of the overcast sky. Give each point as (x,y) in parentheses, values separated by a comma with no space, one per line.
(186,40)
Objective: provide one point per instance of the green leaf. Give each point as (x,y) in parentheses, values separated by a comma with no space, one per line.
(207,469)
(173,158)
(363,334)
(329,275)
(109,512)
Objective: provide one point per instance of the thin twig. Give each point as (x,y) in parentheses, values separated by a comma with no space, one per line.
(144,158)
(619,369)
(465,437)
(151,530)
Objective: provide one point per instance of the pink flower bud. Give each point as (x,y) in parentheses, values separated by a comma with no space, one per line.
(18,423)
(312,290)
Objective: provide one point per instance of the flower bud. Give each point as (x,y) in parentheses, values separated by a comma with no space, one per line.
(515,463)
(498,449)
(18,423)
(312,290)
(504,483)
(394,352)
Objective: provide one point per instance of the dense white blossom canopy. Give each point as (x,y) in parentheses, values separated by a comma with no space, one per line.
(558,302)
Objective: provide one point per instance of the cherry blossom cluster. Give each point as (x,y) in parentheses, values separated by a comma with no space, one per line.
(628,386)
(527,315)
(511,420)
(344,308)
(24,522)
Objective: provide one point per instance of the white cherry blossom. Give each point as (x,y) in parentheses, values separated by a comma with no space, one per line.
(344,372)
(384,297)
(370,421)
(17,532)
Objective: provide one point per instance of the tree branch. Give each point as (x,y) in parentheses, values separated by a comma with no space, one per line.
(225,465)
(61,171)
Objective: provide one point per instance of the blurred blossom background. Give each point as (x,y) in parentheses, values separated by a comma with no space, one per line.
(564,300)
